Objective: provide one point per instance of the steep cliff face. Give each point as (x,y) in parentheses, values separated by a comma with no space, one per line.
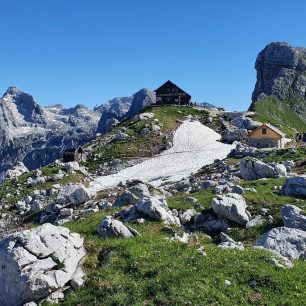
(281,72)
(37,135)
(279,96)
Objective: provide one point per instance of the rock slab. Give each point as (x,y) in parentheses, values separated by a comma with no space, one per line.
(37,262)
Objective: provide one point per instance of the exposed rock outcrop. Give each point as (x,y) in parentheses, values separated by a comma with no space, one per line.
(290,243)
(254,169)
(281,72)
(36,263)
(141,99)
(112,228)
(292,217)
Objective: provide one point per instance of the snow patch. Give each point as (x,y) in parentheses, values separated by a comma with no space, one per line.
(194,146)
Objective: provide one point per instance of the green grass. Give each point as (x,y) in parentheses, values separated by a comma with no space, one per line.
(280,114)
(179,202)
(148,270)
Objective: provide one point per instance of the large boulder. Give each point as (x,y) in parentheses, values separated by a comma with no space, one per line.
(112,228)
(38,262)
(254,169)
(74,194)
(295,186)
(242,150)
(243,122)
(230,136)
(292,217)
(231,206)
(156,209)
(290,243)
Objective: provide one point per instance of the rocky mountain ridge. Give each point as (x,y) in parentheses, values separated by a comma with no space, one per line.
(37,135)
(281,72)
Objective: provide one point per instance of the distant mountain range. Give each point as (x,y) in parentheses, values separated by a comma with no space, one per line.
(38,135)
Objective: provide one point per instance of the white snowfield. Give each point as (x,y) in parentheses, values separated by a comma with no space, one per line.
(194,146)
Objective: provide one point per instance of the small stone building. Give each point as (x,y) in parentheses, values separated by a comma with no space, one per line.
(73,154)
(266,136)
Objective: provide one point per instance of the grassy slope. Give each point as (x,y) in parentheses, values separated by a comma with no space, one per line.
(148,270)
(143,146)
(280,113)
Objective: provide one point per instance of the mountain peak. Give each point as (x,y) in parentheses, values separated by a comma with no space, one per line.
(12,91)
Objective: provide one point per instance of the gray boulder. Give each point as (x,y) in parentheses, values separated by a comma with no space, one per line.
(35,263)
(112,228)
(243,122)
(231,206)
(120,136)
(288,242)
(242,150)
(254,169)
(156,209)
(292,217)
(230,136)
(295,186)
(74,194)
(187,216)
(126,198)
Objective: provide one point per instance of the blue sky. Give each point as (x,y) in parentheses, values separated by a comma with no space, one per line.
(89,51)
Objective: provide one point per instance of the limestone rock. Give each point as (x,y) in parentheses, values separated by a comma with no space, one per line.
(37,262)
(231,206)
(254,169)
(295,186)
(156,210)
(229,243)
(280,72)
(19,169)
(288,242)
(74,194)
(243,122)
(292,217)
(112,228)
(230,136)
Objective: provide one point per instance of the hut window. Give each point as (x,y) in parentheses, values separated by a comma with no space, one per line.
(168,90)
(264,131)
(174,90)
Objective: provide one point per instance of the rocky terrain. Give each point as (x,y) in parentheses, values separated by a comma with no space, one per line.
(37,135)
(234,228)
(170,207)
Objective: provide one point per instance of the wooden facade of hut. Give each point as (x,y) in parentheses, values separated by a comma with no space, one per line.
(169,93)
(267,136)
